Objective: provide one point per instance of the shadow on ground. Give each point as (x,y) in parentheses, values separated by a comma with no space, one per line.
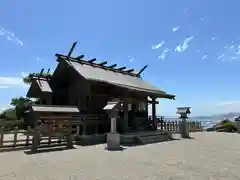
(48,150)
(13,149)
(120,149)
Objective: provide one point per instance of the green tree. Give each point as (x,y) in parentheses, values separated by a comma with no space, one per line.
(20,104)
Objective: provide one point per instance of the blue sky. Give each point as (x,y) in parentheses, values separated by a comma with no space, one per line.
(191,47)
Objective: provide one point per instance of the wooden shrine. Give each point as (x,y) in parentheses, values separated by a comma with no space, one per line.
(88,85)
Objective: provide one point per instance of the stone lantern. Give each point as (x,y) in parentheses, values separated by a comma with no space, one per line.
(237,120)
(183,111)
(113,137)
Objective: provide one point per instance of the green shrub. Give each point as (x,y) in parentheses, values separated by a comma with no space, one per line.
(226,126)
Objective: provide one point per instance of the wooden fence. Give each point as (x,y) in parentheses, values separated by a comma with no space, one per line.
(13,136)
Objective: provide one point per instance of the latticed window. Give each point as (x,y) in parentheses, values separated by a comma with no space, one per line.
(129,107)
(142,106)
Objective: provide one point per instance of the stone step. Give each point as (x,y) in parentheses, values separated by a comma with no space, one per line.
(146,139)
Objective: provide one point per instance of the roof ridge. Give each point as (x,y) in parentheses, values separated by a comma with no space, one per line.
(99,65)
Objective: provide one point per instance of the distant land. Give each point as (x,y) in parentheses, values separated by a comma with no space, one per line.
(207,121)
(218,116)
(214,117)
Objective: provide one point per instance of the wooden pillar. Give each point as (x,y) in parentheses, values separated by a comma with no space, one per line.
(96,128)
(125,115)
(78,130)
(146,107)
(69,137)
(161,121)
(84,126)
(154,113)
(146,110)
(36,140)
(49,99)
(134,109)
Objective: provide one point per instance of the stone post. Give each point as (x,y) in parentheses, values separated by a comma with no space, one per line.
(113,137)
(184,131)
(113,124)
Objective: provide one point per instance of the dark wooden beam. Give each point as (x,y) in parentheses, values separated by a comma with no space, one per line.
(63,57)
(103,63)
(129,99)
(72,48)
(41,72)
(92,60)
(130,70)
(139,73)
(80,57)
(150,102)
(112,66)
(122,68)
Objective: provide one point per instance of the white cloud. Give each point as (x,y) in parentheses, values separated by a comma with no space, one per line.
(234,58)
(205,56)
(231,53)
(131,59)
(40,59)
(221,56)
(164,53)
(2,109)
(184,46)
(228,106)
(157,46)
(226,103)
(8,82)
(4,86)
(24,74)
(10,36)
(197,50)
(220,107)
(176,29)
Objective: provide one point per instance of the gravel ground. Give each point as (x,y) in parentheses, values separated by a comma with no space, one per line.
(207,156)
